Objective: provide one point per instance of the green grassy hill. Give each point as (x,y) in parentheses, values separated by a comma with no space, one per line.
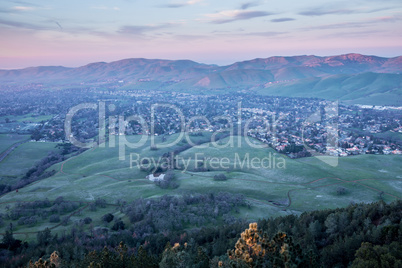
(291,187)
(7,140)
(19,161)
(366,88)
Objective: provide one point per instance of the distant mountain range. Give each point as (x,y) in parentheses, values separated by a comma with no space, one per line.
(347,77)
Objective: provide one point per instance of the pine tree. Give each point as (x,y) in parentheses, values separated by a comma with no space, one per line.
(53,262)
(8,239)
(202,260)
(255,249)
(144,260)
(169,257)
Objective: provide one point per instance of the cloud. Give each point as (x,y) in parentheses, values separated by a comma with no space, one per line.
(25,3)
(337,26)
(143,29)
(106,8)
(356,24)
(182,4)
(321,11)
(282,19)
(354,34)
(265,34)
(241,33)
(16,9)
(22,8)
(235,15)
(48,25)
(22,25)
(190,37)
(249,4)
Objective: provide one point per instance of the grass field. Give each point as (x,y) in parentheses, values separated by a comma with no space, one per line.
(6,140)
(395,136)
(293,186)
(18,162)
(27,118)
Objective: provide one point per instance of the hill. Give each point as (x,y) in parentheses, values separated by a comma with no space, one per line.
(303,185)
(96,200)
(366,88)
(350,77)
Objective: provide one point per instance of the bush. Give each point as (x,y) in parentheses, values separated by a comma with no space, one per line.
(65,221)
(88,220)
(168,181)
(119,225)
(154,148)
(54,218)
(220,177)
(92,207)
(107,217)
(100,202)
(341,191)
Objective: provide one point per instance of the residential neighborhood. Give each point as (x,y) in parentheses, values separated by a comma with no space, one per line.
(297,127)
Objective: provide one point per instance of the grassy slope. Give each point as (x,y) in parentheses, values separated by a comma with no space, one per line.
(27,118)
(24,157)
(6,140)
(99,173)
(366,88)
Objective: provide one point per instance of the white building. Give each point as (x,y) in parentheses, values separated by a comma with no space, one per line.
(151,177)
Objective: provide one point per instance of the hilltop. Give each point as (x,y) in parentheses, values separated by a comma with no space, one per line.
(361,78)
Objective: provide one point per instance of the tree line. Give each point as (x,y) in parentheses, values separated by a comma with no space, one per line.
(164,232)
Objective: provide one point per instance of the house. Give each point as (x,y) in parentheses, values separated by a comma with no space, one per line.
(156,177)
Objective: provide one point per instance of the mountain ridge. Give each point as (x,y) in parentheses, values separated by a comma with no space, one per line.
(262,75)
(270,62)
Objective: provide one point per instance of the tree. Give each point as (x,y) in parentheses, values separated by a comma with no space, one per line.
(8,239)
(44,237)
(53,262)
(341,191)
(315,228)
(332,224)
(201,260)
(255,249)
(107,217)
(220,177)
(169,256)
(54,218)
(144,260)
(118,225)
(381,195)
(378,256)
(87,220)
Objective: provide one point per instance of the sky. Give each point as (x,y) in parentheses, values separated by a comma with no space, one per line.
(74,33)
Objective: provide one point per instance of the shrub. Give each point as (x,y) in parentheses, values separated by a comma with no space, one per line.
(341,191)
(107,217)
(118,225)
(220,177)
(88,220)
(54,218)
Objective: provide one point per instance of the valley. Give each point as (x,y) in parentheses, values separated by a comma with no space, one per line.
(293,187)
(154,152)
